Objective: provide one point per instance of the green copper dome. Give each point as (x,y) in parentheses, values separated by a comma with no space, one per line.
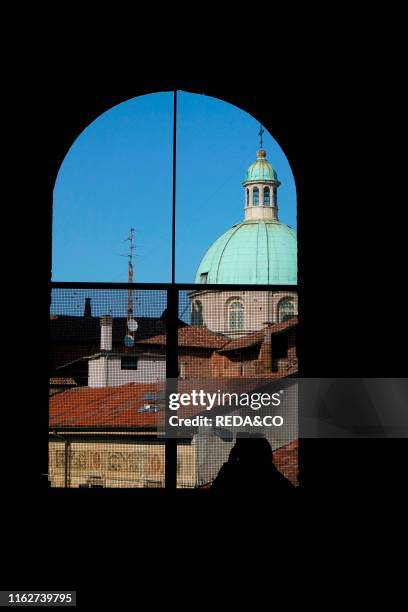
(252,252)
(260,170)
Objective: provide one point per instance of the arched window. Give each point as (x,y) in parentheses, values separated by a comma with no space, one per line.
(286,310)
(255,195)
(275,196)
(266,199)
(165,296)
(236,316)
(197,313)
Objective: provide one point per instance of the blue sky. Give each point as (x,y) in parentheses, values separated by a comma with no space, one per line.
(118,172)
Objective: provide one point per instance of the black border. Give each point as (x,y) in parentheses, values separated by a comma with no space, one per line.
(320,115)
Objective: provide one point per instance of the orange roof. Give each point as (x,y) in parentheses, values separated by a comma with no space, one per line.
(118,406)
(192,335)
(286,461)
(99,407)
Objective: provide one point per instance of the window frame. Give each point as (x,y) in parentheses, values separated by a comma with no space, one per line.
(282,302)
(173,288)
(232,306)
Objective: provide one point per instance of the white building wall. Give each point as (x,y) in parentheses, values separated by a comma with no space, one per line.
(106,371)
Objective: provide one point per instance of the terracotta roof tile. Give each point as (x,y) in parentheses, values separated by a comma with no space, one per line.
(194,336)
(118,406)
(286,460)
(102,407)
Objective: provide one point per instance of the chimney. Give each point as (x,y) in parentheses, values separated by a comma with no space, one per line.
(106,333)
(88,308)
(265,353)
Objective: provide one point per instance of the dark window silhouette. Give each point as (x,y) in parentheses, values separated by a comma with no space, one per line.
(286,310)
(128,363)
(197,313)
(266,200)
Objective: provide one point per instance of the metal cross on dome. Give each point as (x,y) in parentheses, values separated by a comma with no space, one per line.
(261,131)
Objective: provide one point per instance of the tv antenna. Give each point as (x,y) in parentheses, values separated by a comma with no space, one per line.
(131,322)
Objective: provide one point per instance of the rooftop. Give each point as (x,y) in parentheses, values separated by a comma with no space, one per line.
(258,336)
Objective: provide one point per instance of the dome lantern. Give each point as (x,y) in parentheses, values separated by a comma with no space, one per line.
(261,190)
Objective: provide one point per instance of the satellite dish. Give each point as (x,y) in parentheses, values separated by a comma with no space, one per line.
(132,325)
(128,341)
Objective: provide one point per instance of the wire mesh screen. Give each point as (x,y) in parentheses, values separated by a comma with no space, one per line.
(233,335)
(107,375)
(107,362)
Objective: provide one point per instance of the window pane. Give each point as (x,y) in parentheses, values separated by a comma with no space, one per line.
(255,196)
(263,349)
(286,310)
(266,196)
(106,399)
(217,145)
(236,316)
(117,175)
(197,313)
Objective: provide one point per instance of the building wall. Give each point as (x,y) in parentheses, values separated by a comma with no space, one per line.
(141,465)
(64,352)
(259,307)
(212,452)
(237,365)
(106,371)
(119,465)
(195,363)
(213,365)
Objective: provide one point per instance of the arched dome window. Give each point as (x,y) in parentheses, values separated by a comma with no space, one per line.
(266,198)
(286,310)
(247,197)
(275,196)
(255,195)
(236,316)
(197,313)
